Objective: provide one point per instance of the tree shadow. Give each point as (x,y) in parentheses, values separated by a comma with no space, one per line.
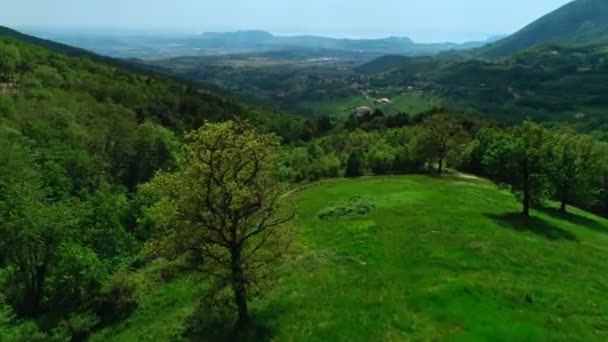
(254,331)
(518,222)
(576,219)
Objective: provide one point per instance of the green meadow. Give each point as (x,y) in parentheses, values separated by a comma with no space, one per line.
(417,258)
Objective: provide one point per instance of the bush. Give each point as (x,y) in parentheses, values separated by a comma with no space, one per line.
(357,206)
(117,298)
(75,279)
(78,326)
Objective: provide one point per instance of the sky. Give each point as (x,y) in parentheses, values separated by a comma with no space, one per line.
(421,20)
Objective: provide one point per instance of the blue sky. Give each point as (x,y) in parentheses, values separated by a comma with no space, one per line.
(422,20)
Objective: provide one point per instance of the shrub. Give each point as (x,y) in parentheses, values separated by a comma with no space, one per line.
(357,206)
(117,298)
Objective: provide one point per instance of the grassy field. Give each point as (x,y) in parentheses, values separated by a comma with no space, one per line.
(409,102)
(435,259)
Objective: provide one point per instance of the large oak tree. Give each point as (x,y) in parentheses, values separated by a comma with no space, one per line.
(223,207)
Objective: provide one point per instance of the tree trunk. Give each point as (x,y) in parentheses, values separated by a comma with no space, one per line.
(562,208)
(526,190)
(32,303)
(239,287)
(440,169)
(564,201)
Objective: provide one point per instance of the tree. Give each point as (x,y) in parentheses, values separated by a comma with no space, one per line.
(354,164)
(9,60)
(439,135)
(519,156)
(153,148)
(381,159)
(223,207)
(576,168)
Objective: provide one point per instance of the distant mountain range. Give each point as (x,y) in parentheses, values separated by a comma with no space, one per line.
(256,41)
(580,22)
(248,42)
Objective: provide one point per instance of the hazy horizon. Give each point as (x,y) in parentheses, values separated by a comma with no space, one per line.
(431,21)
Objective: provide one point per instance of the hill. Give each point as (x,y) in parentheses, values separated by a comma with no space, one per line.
(547,82)
(247,42)
(577,23)
(77,138)
(150,95)
(49,44)
(415,268)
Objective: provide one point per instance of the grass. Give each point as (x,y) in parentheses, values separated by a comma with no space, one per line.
(160,315)
(434,259)
(338,107)
(412,102)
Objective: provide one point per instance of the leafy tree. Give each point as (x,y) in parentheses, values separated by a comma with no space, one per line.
(354,164)
(153,148)
(223,207)
(75,278)
(439,135)
(520,157)
(576,167)
(381,159)
(9,60)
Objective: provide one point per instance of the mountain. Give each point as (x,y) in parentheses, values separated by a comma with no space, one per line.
(580,22)
(48,44)
(34,70)
(152,47)
(261,40)
(257,41)
(547,82)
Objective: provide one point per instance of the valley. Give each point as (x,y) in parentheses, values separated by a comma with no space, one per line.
(243,185)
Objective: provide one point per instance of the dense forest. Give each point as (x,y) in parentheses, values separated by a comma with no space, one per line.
(77,138)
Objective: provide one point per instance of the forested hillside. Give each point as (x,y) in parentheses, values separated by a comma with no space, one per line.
(77,137)
(580,22)
(550,83)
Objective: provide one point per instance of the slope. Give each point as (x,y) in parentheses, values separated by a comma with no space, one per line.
(32,63)
(435,259)
(577,23)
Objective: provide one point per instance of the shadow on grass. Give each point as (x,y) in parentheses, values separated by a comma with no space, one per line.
(576,219)
(538,226)
(254,331)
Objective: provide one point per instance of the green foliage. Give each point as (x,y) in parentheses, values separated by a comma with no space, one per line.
(355,164)
(357,206)
(577,23)
(520,156)
(153,148)
(213,319)
(222,207)
(117,297)
(9,61)
(74,278)
(439,136)
(446,257)
(381,159)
